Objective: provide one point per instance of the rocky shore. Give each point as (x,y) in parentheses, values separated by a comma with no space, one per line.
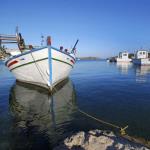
(98,140)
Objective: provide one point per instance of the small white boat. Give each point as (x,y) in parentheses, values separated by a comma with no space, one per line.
(123,57)
(141,58)
(45,66)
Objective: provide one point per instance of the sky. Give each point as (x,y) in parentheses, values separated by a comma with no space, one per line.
(104,27)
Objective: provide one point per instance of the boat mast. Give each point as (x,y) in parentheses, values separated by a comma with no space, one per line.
(73,49)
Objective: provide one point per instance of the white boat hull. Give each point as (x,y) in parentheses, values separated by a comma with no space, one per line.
(43,67)
(141,61)
(123,60)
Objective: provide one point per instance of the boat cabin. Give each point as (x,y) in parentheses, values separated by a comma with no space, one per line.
(123,55)
(141,54)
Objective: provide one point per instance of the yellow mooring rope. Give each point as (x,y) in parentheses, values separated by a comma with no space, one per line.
(122,130)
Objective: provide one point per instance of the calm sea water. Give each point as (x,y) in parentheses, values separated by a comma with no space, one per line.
(30,118)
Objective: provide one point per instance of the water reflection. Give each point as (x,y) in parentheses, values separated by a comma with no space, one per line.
(1,62)
(124,66)
(141,72)
(40,120)
(2,68)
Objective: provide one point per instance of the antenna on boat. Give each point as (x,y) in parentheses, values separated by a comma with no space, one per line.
(42,39)
(73,49)
(16,30)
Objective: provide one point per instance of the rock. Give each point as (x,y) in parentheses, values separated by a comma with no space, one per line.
(77,140)
(97,140)
(95,143)
(95,132)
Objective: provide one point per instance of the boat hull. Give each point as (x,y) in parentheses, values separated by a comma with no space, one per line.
(141,61)
(123,60)
(44,67)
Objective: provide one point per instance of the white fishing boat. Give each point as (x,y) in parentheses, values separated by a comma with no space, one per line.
(123,57)
(45,66)
(141,58)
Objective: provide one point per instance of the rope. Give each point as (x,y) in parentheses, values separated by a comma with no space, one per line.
(37,66)
(121,130)
(99,120)
(39,70)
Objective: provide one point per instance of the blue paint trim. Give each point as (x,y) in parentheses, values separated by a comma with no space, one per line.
(34,50)
(50,64)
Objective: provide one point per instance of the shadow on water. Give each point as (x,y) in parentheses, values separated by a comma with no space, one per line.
(39,119)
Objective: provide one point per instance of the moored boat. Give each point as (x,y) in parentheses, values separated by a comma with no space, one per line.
(123,57)
(44,66)
(141,58)
(111,59)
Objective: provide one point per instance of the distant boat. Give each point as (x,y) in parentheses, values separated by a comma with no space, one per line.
(45,66)
(141,58)
(111,59)
(123,57)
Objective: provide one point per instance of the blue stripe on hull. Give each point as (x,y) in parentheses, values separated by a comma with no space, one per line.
(50,64)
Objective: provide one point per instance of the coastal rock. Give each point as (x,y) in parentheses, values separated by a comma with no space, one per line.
(77,140)
(98,140)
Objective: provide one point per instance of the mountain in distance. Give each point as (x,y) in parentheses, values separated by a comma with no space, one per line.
(88,58)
